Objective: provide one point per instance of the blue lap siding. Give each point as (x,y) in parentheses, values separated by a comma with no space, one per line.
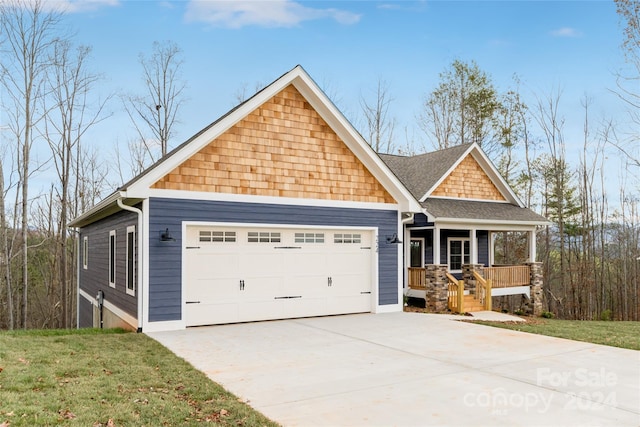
(96,276)
(165,258)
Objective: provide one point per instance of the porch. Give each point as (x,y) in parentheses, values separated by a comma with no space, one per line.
(442,290)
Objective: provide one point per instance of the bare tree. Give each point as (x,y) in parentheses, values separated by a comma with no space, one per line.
(30,33)
(155,113)
(67,122)
(5,253)
(628,83)
(379,125)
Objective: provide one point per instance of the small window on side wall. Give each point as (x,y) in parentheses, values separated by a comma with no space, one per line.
(131,260)
(112,258)
(85,252)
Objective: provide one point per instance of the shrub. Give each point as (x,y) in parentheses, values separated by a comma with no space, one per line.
(606,315)
(519,312)
(547,315)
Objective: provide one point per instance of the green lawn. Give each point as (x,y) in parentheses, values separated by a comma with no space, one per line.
(616,334)
(107,378)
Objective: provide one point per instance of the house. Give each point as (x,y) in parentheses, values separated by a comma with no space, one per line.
(466,205)
(280,209)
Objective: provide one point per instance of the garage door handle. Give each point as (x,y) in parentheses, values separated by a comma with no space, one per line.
(242,285)
(362,293)
(192,302)
(329,281)
(289,297)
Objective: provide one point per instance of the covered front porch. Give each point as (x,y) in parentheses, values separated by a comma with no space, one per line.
(461,267)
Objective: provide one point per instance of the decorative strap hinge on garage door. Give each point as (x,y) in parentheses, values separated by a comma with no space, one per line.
(193,247)
(192,302)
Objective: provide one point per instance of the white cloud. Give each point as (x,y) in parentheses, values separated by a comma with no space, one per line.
(272,13)
(566,32)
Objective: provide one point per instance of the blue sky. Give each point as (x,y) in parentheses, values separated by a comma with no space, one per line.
(573,46)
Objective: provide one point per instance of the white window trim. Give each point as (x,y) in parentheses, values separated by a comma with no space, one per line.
(130,230)
(462,239)
(85,252)
(112,268)
(423,243)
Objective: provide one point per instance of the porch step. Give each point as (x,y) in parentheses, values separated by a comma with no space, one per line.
(471,304)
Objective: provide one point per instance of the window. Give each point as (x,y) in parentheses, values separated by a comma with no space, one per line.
(458,249)
(112,258)
(347,238)
(416,253)
(263,237)
(309,237)
(217,236)
(131,260)
(85,252)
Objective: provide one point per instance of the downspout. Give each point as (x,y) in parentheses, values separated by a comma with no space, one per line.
(139,260)
(78,254)
(405,248)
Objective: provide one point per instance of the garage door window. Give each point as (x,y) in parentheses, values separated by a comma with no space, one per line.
(263,237)
(309,238)
(347,238)
(217,236)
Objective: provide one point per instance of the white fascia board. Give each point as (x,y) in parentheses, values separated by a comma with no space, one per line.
(447,173)
(103,204)
(356,143)
(496,225)
(487,165)
(319,101)
(214,132)
(246,198)
(467,199)
(497,179)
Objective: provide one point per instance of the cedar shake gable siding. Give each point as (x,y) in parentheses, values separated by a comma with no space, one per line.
(283,148)
(468,181)
(421,172)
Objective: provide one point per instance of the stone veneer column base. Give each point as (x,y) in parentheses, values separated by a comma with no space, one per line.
(535,288)
(436,288)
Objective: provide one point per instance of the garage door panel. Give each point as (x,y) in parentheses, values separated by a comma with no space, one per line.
(304,273)
(210,314)
(204,264)
(262,263)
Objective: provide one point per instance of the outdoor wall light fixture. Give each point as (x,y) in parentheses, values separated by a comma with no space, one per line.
(165,236)
(393,240)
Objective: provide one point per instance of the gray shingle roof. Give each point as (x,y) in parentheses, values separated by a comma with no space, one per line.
(420,173)
(471,209)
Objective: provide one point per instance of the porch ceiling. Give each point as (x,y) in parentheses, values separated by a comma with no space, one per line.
(471,210)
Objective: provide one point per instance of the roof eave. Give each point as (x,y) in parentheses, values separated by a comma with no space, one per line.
(485,221)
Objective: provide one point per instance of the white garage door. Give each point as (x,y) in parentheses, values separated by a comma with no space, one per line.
(238,274)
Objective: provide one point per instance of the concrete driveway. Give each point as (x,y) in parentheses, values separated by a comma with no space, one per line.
(411,369)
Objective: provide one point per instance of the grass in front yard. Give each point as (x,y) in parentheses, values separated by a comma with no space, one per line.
(615,334)
(105,378)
